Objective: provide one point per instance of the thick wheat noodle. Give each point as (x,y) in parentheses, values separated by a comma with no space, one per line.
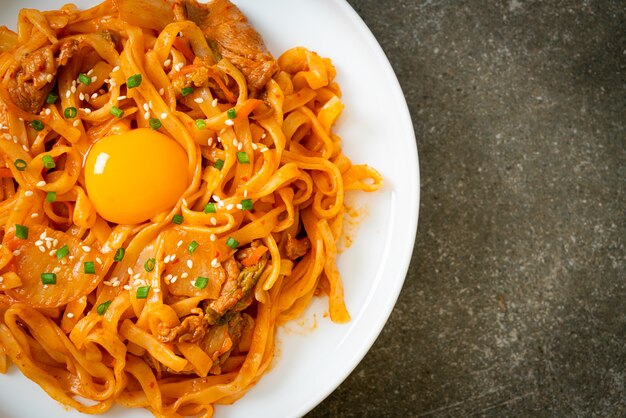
(297,177)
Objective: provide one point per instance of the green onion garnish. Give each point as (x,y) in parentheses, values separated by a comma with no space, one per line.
(219,164)
(210,208)
(177,219)
(142,292)
(186,91)
(231,113)
(155,124)
(200,124)
(90,267)
(21,231)
(133,81)
(246,204)
(232,243)
(116,111)
(102,308)
(201,282)
(48,278)
(20,164)
(242,157)
(70,112)
(63,252)
(48,161)
(52,98)
(119,255)
(193,245)
(51,197)
(149,264)
(37,124)
(84,78)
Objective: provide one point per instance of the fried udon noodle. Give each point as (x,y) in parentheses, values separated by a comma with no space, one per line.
(176,312)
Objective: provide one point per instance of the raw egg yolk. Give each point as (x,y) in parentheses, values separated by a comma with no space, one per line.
(133,176)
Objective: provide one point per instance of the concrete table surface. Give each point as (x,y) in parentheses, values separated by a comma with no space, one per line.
(515,301)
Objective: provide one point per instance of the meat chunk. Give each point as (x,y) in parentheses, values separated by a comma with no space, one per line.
(296,248)
(34,79)
(234,38)
(191,330)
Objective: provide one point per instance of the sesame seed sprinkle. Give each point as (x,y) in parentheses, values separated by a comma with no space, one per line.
(38,242)
(130,271)
(47,111)
(216,198)
(214,103)
(86,248)
(146,107)
(167,63)
(213,237)
(34,215)
(214,263)
(166,259)
(68,94)
(93,96)
(213,221)
(49,78)
(146,115)
(161,91)
(240,146)
(73,89)
(76,123)
(16,253)
(70,315)
(90,72)
(56,270)
(116,68)
(93,79)
(52,253)
(127,287)
(229,122)
(184,275)
(190,264)
(254,146)
(40,183)
(164,115)
(98,260)
(198,100)
(230,206)
(121,97)
(28,193)
(179,243)
(172,257)
(173,280)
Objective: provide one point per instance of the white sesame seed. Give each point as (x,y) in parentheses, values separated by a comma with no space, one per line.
(43,235)
(263,136)
(146,115)
(166,259)
(239,206)
(113,83)
(93,96)
(150,104)
(55,242)
(265,149)
(146,107)
(178,66)
(98,260)
(214,263)
(210,141)
(213,221)
(86,248)
(172,257)
(81,96)
(214,103)
(70,315)
(184,275)
(16,253)
(116,284)
(121,97)
(47,111)
(219,139)
(34,215)
(40,183)
(76,123)
(38,242)
(179,243)
(161,91)
(116,68)
(220,204)
(245,193)
(42,248)
(164,115)
(216,198)
(49,78)
(240,146)
(28,193)
(106,283)
(213,237)
(230,206)
(90,72)
(52,253)
(8,136)
(137,282)
(1,279)
(71,257)
(156,290)
(67,94)
(229,122)
(15,138)
(56,270)
(235,142)
(86,110)
(167,63)
(254,146)
(198,100)
(127,287)
(45,286)
(173,279)
(73,89)
(93,79)
(190,264)
(130,271)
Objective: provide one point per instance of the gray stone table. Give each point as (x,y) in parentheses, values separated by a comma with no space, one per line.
(515,301)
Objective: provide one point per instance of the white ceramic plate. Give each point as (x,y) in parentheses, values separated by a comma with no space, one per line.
(376,129)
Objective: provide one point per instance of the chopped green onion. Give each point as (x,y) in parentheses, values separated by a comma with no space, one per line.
(20,164)
(210,208)
(21,231)
(242,157)
(133,81)
(155,124)
(116,111)
(90,267)
(102,308)
(70,112)
(63,252)
(119,255)
(142,292)
(193,245)
(149,264)
(177,219)
(219,164)
(48,278)
(51,197)
(186,91)
(48,161)
(200,124)
(246,204)
(52,98)
(84,78)
(201,282)
(232,243)
(37,124)
(231,113)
